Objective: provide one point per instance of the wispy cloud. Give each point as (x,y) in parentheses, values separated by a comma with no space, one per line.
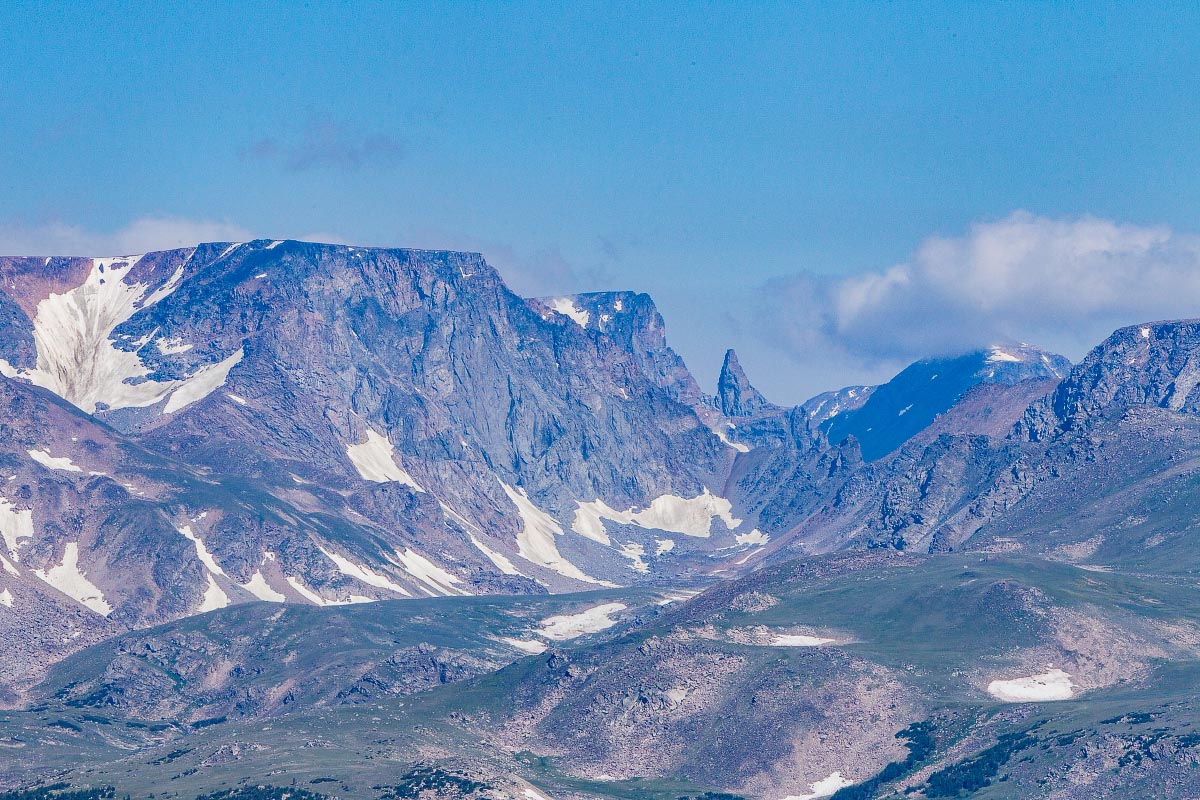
(142,235)
(1062,284)
(323,142)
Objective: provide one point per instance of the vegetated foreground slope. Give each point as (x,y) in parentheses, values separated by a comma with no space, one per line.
(993,675)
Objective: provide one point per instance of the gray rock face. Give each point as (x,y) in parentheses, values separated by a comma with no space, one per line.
(735,395)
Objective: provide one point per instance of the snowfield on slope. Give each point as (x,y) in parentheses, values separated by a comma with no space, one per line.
(78,360)
(69,579)
(535,542)
(1052,685)
(690,516)
(60,463)
(14,525)
(568,626)
(823,788)
(375,460)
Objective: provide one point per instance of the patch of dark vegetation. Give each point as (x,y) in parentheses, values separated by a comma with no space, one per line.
(918,738)
(61,791)
(65,724)
(1133,718)
(974,773)
(171,756)
(206,723)
(440,783)
(263,793)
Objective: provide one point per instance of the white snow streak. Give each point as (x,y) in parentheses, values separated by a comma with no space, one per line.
(14,525)
(201,550)
(48,461)
(535,542)
(363,574)
(997,355)
(798,640)
(258,586)
(499,559)
(719,431)
(6,598)
(375,460)
(532,646)
(566,306)
(206,381)
(437,581)
(70,580)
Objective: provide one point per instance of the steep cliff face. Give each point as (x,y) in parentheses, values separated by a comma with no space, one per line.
(736,396)
(296,422)
(633,323)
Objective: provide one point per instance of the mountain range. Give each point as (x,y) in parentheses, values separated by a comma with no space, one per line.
(277,497)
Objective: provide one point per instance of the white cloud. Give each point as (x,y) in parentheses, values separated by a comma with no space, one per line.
(142,235)
(1062,284)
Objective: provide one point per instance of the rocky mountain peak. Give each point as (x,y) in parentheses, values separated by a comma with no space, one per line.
(735,394)
(1152,364)
(634,323)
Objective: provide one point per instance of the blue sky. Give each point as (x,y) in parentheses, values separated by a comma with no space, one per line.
(760,169)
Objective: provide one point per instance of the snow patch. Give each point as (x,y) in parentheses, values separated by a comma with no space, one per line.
(77,358)
(61,463)
(437,581)
(206,381)
(720,432)
(6,598)
(531,646)
(172,346)
(201,550)
(798,640)
(823,788)
(1145,333)
(14,525)
(569,626)
(753,537)
(634,552)
(566,306)
(70,580)
(363,574)
(499,559)
(375,460)
(258,586)
(663,546)
(214,597)
(670,513)
(535,542)
(905,410)
(8,567)
(241,401)
(1052,685)
(997,355)
(318,600)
